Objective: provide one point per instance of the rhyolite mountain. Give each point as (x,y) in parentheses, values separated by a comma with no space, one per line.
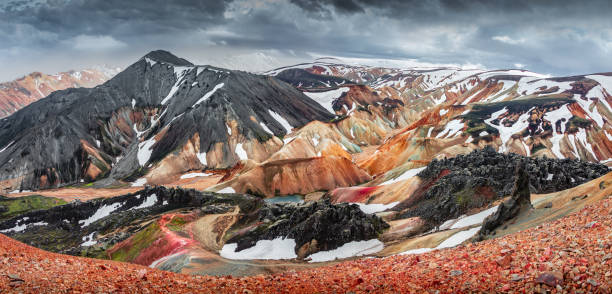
(376,161)
(20,92)
(149,110)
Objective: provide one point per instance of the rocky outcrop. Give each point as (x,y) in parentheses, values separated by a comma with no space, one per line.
(315,226)
(453,186)
(519,201)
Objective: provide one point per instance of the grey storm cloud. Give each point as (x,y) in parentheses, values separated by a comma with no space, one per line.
(553,37)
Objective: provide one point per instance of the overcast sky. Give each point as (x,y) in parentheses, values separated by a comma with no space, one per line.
(552,37)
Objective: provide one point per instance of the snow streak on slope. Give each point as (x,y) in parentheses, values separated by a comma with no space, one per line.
(505,133)
(210,93)
(563,114)
(327,98)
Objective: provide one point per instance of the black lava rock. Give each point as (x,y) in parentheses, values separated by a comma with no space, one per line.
(455,185)
(329,225)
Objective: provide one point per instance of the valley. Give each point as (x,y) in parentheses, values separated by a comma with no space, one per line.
(308,170)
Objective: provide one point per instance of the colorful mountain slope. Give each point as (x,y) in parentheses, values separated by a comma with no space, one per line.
(537,259)
(157,106)
(16,94)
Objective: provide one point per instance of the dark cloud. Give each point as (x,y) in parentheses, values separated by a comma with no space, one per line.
(343,6)
(556,37)
(118,17)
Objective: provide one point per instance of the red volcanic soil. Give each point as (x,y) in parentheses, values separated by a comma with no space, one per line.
(572,254)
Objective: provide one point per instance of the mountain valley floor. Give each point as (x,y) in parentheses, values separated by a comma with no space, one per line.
(571,254)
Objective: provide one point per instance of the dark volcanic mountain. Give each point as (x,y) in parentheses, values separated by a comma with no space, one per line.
(155,107)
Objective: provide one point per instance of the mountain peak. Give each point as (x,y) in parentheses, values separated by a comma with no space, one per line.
(167,57)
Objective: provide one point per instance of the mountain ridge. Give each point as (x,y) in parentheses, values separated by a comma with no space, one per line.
(189,92)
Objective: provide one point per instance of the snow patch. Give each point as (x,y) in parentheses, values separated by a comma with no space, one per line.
(375,207)
(263,126)
(102,212)
(193,175)
(145,149)
(451,129)
(148,202)
(458,238)
(553,116)
(505,133)
(452,241)
(21,227)
(202,158)
(350,249)
(241,152)
(89,240)
(474,219)
(315,140)
(281,120)
(227,189)
(327,98)
(139,182)
(439,101)
(406,175)
(150,61)
(417,251)
(279,248)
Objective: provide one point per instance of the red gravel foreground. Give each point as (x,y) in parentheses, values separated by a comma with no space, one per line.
(572,254)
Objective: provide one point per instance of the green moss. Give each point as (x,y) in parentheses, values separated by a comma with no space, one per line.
(578,122)
(99,164)
(483,111)
(463,198)
(537,148)
(10,207)
(476,129)
(176,224)
(138,242)
(54,240)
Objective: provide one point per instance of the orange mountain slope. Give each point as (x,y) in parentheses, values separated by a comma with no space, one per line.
(16,94)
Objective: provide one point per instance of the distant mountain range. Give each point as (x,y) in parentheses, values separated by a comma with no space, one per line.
(164,116)
(16,94)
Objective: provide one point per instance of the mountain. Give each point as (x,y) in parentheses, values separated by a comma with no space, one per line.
(157,109)
(16,94)
(448,106)
(307,163)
